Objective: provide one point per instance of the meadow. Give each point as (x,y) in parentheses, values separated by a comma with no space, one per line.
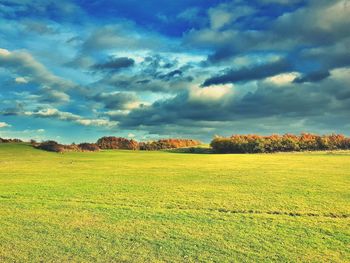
(140,206)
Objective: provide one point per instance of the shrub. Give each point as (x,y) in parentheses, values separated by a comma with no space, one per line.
(90,147)
(309,142)
(51,146)
(2,140)
(289,143)
(239,144)
(117,143)
(273,143)
(223,145)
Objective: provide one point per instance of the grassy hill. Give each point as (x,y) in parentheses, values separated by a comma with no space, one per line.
(135,206)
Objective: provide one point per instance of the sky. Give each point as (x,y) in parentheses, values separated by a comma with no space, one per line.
(75,71)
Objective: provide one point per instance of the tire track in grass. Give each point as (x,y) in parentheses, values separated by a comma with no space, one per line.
(219,210)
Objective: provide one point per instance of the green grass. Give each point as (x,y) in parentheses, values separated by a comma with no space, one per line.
(125,206)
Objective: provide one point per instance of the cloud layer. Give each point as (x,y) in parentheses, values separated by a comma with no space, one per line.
(187,69)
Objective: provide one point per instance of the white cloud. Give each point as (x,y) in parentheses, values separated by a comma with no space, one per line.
(4,52)
(131,135)
(68,116)
(342,74)
(4,125)
(96,122)
(21,80)
(283,78)
(212,93)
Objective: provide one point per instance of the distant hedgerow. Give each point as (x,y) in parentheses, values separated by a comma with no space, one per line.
(53,146)
(123,143)
(168,144)
(115,143)
(277,143)
(2,140)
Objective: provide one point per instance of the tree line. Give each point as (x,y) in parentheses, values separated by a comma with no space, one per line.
(111,142)
(279,143)
(250,143)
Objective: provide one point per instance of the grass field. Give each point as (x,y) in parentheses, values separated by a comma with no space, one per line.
(125,206)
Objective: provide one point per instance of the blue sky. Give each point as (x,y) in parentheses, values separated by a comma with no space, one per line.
(74,71)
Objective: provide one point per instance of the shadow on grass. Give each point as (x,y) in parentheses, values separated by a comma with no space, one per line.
(193,150)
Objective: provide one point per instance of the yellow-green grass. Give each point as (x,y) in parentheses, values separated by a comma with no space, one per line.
(135,206)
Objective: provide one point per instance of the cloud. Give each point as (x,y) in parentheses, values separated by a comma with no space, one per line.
(131,135)
(170,75)
(255,72)
(115,64)
(283,79)
(4,125)
(52,113)
(67,116)
(51,9)
(312,103)
(227,13)
(321,22)
(39,27)
(312,77)
(329,57)
(48,95)
(156,73)
(21,80)
(13,110)
(26,134)
(189,14)
(209,94)
(117,100)
(22,63)
(318,23)
(282,2)
(122,36)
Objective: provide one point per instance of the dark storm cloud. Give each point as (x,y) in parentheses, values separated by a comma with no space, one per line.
(332,56)
(114,64)
(154,74)
(312,77)
(171,74)
(154,65)
(13,110)
(141,83)
(116,100)
(255,72)
(293,101)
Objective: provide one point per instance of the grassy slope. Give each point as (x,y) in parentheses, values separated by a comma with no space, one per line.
(161,206)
